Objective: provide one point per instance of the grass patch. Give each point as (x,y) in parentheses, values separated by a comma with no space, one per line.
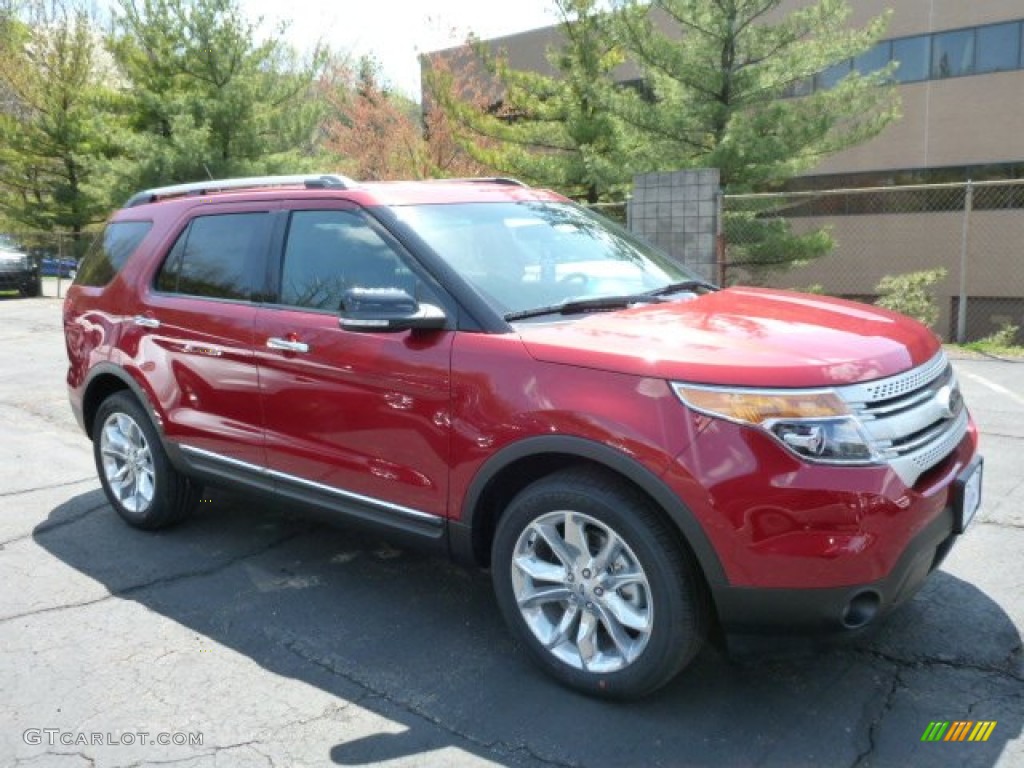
(996,350)
(1002,343)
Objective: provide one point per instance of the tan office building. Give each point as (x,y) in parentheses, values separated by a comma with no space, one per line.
(961,79)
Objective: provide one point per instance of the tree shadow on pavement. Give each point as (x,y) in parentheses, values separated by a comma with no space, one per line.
(420,642)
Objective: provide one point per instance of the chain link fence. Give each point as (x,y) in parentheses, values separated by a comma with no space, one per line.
(846,242)
(52,258)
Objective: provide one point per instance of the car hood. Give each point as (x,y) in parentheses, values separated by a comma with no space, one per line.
(12,260)
(740,337)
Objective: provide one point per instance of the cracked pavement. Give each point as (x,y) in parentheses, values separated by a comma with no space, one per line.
(288,643)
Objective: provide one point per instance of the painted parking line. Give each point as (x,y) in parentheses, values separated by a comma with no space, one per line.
(995,387)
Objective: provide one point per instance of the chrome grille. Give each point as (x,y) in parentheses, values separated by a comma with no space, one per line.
(913,420)
(895,386)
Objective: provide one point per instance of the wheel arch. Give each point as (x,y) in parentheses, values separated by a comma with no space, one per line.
(105,380)
(518,465)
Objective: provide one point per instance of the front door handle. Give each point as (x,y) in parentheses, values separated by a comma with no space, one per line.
(146,322)
(287,345)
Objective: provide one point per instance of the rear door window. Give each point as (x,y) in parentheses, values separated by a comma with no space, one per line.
(218,257)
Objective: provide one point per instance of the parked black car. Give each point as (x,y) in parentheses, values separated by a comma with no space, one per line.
(18,272)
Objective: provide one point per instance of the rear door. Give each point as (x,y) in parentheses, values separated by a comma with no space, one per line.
(359,421)
(191,335)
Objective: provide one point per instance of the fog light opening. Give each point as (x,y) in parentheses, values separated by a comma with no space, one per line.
(861,610)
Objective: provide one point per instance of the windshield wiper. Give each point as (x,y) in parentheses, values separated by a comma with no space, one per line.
(596,303)
(682,285)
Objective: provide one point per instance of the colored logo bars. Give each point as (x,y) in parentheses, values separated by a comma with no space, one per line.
(959,730)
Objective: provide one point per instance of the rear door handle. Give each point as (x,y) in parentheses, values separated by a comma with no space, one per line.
(287,345)
(146,322)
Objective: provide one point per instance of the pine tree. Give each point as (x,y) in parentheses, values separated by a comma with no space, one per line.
(204,97)
(719,75)
(53,127)
(722,82)
(550,130)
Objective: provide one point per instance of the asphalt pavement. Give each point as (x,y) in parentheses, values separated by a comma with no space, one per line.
(252,636)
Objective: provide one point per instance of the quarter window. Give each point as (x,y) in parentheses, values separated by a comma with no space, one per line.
(219,257)
(109,252)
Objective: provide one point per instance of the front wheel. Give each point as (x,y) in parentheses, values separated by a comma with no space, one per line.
(139,480)
(597,586)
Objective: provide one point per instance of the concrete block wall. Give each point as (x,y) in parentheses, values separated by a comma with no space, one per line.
(677,211)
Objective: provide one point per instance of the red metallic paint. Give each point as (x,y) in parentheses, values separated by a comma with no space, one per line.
(778,522)
(500,395)
(365,412)
(742,337)
(411,418)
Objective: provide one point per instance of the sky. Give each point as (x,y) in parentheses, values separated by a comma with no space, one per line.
(397,31)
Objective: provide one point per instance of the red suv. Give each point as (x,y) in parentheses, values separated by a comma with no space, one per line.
(500,374)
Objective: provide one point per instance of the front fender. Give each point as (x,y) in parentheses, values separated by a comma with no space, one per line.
(464,539)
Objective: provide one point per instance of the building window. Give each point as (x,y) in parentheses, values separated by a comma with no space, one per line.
(953,54)
(831,76)
(875,59)
(914,57)
(998,48)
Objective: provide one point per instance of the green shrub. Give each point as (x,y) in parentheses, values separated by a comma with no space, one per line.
(1006,336)
(1002,342)
(910,294)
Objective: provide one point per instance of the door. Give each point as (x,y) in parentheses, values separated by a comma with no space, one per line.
(356,420)
(191,336)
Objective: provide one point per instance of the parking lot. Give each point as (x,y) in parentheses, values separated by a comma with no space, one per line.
(277,641)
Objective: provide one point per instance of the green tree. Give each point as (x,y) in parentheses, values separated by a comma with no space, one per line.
(721,83)
(550,130)
(204,97)
(718,77)
(53,125)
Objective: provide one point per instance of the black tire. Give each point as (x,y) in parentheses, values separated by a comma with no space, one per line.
(173,496)
(674,598)
(32,290)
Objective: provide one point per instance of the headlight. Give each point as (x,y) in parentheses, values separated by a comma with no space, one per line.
(815,424)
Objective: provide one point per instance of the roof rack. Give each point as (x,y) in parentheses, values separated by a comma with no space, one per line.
(313,181)
(485,180)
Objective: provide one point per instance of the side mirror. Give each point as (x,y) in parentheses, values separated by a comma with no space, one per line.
(387,310)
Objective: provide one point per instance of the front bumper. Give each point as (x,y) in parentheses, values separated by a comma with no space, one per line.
(747,609)
(26,281)
(812,546)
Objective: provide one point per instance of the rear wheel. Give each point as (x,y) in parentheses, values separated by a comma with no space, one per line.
(139,480)
(596,585)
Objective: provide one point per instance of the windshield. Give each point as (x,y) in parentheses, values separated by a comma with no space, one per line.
(522,256)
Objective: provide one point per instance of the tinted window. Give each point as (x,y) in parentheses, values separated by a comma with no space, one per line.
(109,252)
(953,54)
(328,252)
(218,257)
(874,59)
(914,56)
(998,48)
